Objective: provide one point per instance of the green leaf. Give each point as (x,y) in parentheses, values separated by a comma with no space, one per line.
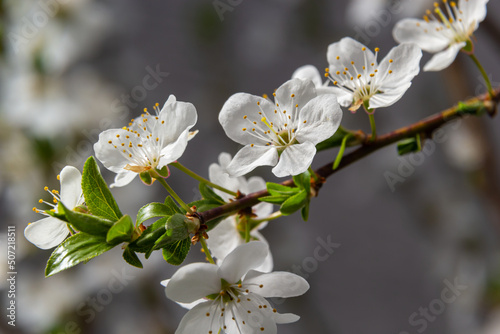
(276,189)
(77,248)
(153,210)
(83,222)
(171,204)
(175,230)
(121,231)
(208,193)
(131,258)
(99,199)
(274,199)
(409,145)
(146,178)
(305,211)
(153,232)
(303,181)
(294,203)
(58,215)
(175,253)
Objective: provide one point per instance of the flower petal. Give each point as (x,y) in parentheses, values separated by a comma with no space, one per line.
(422,33)
(348,50)
(242,259)
(71,186)
(178,117)
(248,158)
(250,317)
(344,97)
(47,232)
(474,11)
(443,59)
(404,63)
(192,282)
(295,159)
(123,178)
(285,318)
(388,98)
(268,264)
(224,238)
(233,120)
(319,119)
(308,72)
(276,284)
(217,173)
(107,153)
(197,321)
(174,150)
(294,92)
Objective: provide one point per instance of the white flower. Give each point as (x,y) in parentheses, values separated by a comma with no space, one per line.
(235,294)
(281,134)
(151,141)
(227,235)
(310,72)
(361,79)
(443,33)
(49,232)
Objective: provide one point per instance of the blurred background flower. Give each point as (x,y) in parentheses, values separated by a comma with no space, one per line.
(71,69)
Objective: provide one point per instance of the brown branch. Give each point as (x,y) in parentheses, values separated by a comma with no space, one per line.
(474,106)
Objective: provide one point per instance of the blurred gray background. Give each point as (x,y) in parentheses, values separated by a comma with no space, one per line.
(71,69)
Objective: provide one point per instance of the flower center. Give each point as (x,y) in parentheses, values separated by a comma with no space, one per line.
(450,21)
(281,132)
(142,142)
(360,80)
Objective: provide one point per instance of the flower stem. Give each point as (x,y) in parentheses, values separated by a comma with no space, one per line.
(195,176)
(273,216)
(206,251)
(171,191)
(313,174)
(371,116)
(341,151)
(483,73)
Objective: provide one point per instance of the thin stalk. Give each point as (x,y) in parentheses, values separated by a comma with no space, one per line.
(272,216)
(341,151)
(195,176)
(206,251)
(371,116)
(171,192)
(483,73)
(313,174)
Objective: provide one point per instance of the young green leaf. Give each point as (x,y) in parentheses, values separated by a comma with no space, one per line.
(274,199)
(86,223)
(409,145)
(276,189)
(305,211)
(294,203)
(171,204)
(77,248)
(175,253)
(131,258)
(121,231)
(208,193)
(176,230)
(99,199)
(153,232)
(303,181)
(153,210)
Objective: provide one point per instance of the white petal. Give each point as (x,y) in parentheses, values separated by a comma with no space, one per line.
(217,173)
(319,119)
(123,178)
(71,186)
(250,316)
(302,92)
(47,232)
(192,282)
(388,98)
(474,11)
(197,321)
(248,158)
(174,150)
(107,154)
(285,318)
(443,59)
(276,284)
(178,116)
(422,33)
(308,72)
(348,50)
(295,159)
(405,66)
(242,259)
(344,97)
(231,117)
(268,264)
(224,238)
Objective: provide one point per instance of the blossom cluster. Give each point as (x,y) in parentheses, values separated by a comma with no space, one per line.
(229,294)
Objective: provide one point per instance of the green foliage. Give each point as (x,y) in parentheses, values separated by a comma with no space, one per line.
(131,258)
(121,231)
(77,248)
(146,178)
(294,203)
(175,253)
(145,243)
(89,224)
(99,199)
(175,230)
(153,210)
(410,145)
(208,193)
(173,206)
